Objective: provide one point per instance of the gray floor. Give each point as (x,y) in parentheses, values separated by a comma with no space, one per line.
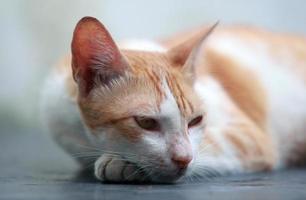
(32,167)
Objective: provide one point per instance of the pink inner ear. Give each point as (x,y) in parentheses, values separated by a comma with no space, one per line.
(94,54)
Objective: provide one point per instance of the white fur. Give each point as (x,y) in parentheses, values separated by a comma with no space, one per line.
(61,116)
(170,110)
(142,45)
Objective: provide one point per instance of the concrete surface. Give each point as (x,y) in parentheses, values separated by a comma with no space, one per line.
(32,167)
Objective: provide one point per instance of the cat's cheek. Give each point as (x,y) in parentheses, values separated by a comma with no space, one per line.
(196,134)
(195,137)
(154,143)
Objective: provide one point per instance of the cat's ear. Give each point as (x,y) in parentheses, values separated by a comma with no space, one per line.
(185,55)
(95,56)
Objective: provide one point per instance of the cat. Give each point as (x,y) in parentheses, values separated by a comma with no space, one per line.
(198,104)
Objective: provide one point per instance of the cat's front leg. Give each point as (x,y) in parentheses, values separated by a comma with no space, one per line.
(112,168)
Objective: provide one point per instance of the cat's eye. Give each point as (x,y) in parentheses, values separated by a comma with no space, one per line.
(147,123)
(195,121)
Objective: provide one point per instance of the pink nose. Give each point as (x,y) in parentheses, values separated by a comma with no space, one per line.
(181,161)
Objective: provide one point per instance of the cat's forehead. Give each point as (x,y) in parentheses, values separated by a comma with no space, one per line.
(142,60)
(167,79)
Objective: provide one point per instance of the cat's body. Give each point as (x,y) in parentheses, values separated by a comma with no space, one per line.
(249,86)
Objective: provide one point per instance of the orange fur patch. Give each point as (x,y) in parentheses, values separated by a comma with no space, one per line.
(241,85)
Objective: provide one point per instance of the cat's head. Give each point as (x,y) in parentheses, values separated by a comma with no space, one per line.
(139,104)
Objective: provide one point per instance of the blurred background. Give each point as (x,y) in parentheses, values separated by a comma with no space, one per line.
(35,34)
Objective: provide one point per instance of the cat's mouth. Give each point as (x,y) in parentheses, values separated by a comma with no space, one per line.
(162,171)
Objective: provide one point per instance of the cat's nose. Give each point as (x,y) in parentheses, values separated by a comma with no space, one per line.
(181,162)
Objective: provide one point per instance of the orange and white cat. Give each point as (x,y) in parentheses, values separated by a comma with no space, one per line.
(190,106)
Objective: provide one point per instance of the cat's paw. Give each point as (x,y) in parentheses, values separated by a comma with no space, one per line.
(112,168)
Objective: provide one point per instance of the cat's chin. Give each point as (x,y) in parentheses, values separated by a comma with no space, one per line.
(168,178)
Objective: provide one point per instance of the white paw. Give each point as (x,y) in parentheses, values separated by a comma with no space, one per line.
(115,169)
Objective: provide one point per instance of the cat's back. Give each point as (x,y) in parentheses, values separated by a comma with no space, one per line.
(275,65)
(254,47)
(251,44)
